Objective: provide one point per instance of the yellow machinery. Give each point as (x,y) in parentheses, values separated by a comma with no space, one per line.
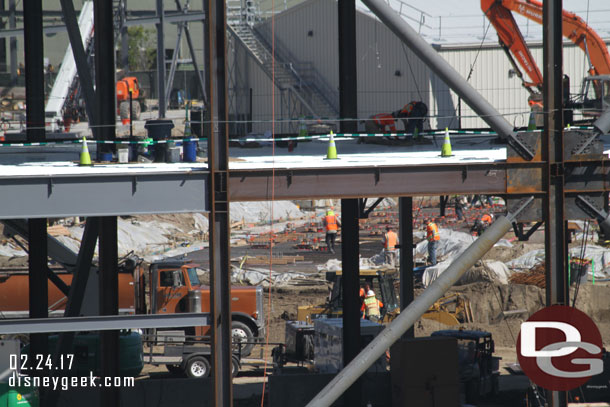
(453,309)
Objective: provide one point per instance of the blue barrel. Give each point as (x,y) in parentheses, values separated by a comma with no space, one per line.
(189,151)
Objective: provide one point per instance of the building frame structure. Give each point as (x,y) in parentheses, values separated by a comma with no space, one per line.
(548,179)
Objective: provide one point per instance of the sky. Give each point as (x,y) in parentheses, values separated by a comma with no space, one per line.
(463,22)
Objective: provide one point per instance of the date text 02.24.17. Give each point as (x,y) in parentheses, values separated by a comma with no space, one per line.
(41,362)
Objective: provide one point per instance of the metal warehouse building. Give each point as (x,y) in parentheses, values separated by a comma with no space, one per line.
(389,74)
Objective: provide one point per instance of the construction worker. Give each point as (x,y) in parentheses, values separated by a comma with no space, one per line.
(413,115)
(371,305)
(433,237)
(379,122)
(459,207)
(331,223)
(390,241)
(481,224)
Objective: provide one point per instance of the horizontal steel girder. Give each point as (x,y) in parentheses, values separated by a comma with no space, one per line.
(364,182)
(102,195)
(102,323)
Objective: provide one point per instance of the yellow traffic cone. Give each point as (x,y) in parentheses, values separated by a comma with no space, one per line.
(332,149)
(85,158)
(531,125)
(446,149)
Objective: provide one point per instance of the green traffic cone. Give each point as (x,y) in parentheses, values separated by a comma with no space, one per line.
(332,149)
(531,125)
(85,157)
(446,149)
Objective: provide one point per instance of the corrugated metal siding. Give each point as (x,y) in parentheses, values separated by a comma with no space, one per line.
(390,75)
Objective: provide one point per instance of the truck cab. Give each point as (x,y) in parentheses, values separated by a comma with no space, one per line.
(175,288)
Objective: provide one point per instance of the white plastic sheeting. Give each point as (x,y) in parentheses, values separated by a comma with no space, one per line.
(254,212)
(264,277)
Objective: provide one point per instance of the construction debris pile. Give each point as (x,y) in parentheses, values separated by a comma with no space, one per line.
(534,276)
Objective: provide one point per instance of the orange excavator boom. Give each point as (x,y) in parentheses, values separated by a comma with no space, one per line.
(574,28)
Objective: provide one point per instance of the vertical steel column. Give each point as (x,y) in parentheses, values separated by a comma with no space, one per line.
(161,59)
(34,70)
(554,235)
(104,74)
(3,56)
(348,91)
(37,228)
(12,24)
(218,165)
(109,305)
(350,258)
(405,214)
(350,240)
(38,283)
(124,37)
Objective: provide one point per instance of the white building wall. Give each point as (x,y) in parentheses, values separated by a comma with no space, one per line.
(390,75)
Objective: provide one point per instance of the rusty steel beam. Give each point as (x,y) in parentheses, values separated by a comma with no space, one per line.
(365,182)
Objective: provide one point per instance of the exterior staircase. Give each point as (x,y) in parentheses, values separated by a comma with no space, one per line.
(301,81)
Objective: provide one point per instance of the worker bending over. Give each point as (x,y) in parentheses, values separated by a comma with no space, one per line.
(331,223)
(481,224)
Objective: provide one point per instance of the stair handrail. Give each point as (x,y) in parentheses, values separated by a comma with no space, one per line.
(314,83)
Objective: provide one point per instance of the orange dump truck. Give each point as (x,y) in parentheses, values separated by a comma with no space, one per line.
(164,288)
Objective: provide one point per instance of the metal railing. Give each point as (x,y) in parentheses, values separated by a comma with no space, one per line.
(308,78)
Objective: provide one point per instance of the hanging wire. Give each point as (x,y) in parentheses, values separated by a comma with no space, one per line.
(478,52)
(269,291)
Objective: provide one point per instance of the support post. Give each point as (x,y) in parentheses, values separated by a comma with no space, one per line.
(552,150)
(348,108)
(350,264)
(38,284)
(124,36)
(348,91)
(3,56)
(161,59)
(105,101)
(12,24)
(405,215)
(443,201)
(218,193)
(109,305)
(34,70)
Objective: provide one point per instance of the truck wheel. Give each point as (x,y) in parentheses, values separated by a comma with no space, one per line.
(234,366)
(175,370)
(136,109)
(124,110)
(198,367)
(242,333)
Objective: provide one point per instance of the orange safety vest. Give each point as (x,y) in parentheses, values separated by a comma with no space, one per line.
(408,108)
(432,232)
(385,119)
(371,305)
(331,222)
(486,219)
(390,240)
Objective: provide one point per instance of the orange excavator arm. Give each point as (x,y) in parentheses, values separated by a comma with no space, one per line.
(512,41)
(574,28)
